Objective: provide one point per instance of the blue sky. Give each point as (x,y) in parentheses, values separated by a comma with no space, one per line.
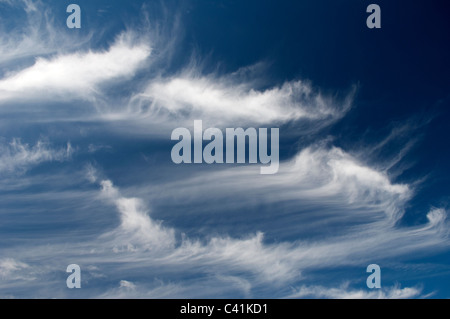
(86,117)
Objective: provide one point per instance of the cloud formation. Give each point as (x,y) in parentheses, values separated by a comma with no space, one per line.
(18,157)
(76,75)
(34,34)
(350,210)
(223,100)
(282,262)
(136,227)
(344,292)
(9,268)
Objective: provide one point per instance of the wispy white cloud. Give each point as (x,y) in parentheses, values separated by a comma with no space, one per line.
(281,262)
(34,34)
(127,289)
(208,287)
(139,233)
(92,148)
(136,228)
(76,75)
(9,268)
(127,284)
(226,100)
(18,157)
(315,174)
(344,292)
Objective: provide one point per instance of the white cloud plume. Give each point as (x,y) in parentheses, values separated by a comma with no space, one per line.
(136,228)
(315,174)
(127,285)
(223,100)
(74,75)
